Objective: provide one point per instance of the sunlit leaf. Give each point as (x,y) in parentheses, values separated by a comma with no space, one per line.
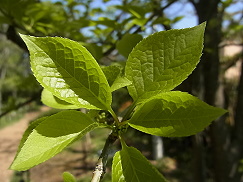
(68,71)
(163,60)
(68,177)
(52,101)
(49,136)
(174,114)
(130,165)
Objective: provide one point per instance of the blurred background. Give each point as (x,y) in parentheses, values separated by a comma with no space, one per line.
(109,29)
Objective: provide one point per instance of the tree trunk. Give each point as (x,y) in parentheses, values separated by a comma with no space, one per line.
(198,159)
(237,147)
(212,86)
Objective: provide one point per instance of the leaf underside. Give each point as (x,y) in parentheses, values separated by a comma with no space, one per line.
(50,100)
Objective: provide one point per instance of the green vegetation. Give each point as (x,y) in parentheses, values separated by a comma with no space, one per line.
(68,71)
(119,85)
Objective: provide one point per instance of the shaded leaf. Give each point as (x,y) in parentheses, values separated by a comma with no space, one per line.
(127,43)
(114,76)
(94,49)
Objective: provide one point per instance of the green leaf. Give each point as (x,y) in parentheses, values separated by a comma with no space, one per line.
(29,130)
(107,22)
(163,60)
(52,101)
(119,83)
(114,76)
(127,43)
(130,165)
(68,177)
(112,72)
(94,49)
(68,71)
(174,114)
(51,136)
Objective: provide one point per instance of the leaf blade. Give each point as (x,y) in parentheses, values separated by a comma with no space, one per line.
(50,100)
(68,177)
(69,71)
(163,60)
(174,114)
(50,137)
(127,43)
(115,78)
(130,165)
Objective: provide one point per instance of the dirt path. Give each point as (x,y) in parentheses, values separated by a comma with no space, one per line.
(10,137)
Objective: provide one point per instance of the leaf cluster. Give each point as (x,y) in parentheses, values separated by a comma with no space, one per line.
(73,79)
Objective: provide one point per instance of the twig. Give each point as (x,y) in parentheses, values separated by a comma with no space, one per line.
(101,164)
(14,37)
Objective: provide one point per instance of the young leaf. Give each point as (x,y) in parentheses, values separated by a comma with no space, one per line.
(174,114)
(114,76)
(130,165)
(52,101)
(51,136)
(68,177)
(119,83)
(68,71)
(163,60)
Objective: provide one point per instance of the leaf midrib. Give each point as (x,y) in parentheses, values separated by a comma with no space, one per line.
(131,164)
(158,119)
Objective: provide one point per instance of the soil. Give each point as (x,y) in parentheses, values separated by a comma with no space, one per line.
(49,171)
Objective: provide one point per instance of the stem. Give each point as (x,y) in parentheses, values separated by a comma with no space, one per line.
(114,116)
(101,164)
(129,112)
